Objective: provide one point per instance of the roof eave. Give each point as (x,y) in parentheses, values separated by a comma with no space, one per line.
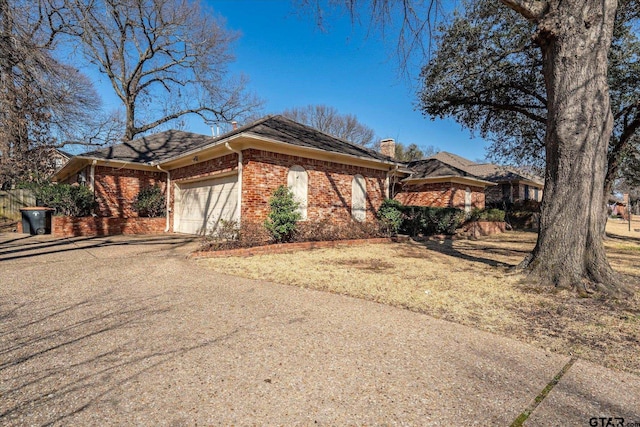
(450,178)
(243,137)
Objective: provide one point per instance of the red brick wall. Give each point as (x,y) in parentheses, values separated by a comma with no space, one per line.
(117,188)
(65,226)
(329,185)
(442,195)
(206,168)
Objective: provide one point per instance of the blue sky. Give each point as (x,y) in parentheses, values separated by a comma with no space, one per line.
(291,62)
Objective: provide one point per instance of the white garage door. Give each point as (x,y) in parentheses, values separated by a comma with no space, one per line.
(199,206)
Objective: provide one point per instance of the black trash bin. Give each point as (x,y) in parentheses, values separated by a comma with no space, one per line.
(36,220)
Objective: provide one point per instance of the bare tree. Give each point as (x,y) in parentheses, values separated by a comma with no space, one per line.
(408,153)
(44,102)
(164,59)
(329,120)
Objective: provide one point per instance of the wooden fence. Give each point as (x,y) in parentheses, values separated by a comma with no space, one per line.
(11,202)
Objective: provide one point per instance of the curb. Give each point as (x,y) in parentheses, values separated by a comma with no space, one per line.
(280,248)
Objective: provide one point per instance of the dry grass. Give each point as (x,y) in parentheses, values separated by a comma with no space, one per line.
(469,282)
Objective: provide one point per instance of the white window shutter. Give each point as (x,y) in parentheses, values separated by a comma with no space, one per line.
(467,200)
(359,198)
(298,183)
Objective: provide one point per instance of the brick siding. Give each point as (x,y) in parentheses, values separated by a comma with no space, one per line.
(204,169)
(329,185)
(494,194)
(444,195)
(64,226)
(117,188)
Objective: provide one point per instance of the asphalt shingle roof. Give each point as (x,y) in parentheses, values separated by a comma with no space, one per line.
(286,130)
(488,171)
(153,148)
(163,146)
(434,168)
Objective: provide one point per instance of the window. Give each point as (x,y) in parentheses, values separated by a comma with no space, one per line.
(467,200)
(536,195)
(506,192)
(359,198)
(298,183)
(526,192)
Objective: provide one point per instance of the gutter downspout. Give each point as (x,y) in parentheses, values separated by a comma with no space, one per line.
(239,153)
(388,189)
(166,228)
(92,177)
(92,185)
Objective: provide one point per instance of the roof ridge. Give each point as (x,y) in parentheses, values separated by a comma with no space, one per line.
(352,144)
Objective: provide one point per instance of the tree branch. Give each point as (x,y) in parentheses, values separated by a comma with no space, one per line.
(533,10)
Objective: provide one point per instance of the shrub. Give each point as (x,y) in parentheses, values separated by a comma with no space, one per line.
(283,215)
(326,230)
(431,220)
(230,235)
(66,199)
(390,216)
(225,230)
(150,202)
(487,215)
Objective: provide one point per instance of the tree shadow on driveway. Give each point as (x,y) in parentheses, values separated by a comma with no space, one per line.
(12,248)
(61,359)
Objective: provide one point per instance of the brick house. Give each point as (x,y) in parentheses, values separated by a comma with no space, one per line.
(233,176)
(432,182)
(512,185)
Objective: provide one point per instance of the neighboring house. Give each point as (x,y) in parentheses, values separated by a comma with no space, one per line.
(59,158)
(432,182)
(513,185)
(233,176)
(38,164)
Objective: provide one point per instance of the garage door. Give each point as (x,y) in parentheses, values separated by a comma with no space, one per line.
(199,206)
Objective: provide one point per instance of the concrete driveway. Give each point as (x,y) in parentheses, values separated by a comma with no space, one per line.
(126,331)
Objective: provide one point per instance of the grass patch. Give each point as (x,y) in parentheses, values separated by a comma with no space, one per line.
(469,282)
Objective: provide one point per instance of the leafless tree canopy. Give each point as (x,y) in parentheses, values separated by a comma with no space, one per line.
(44,103)
(164,59)
(328,120)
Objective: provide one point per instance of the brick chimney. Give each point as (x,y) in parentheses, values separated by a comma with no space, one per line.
(234,124)
(388,147)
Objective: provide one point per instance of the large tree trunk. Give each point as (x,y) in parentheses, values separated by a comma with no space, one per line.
(575,36)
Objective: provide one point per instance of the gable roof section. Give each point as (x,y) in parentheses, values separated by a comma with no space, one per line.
(436,170)
(487,171)
(168,145)
(64,154)
(497,173)
(291,132)
(453,160)
(432,168)
(153,148)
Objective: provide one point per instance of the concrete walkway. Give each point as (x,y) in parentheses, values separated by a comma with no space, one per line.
(126,331)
